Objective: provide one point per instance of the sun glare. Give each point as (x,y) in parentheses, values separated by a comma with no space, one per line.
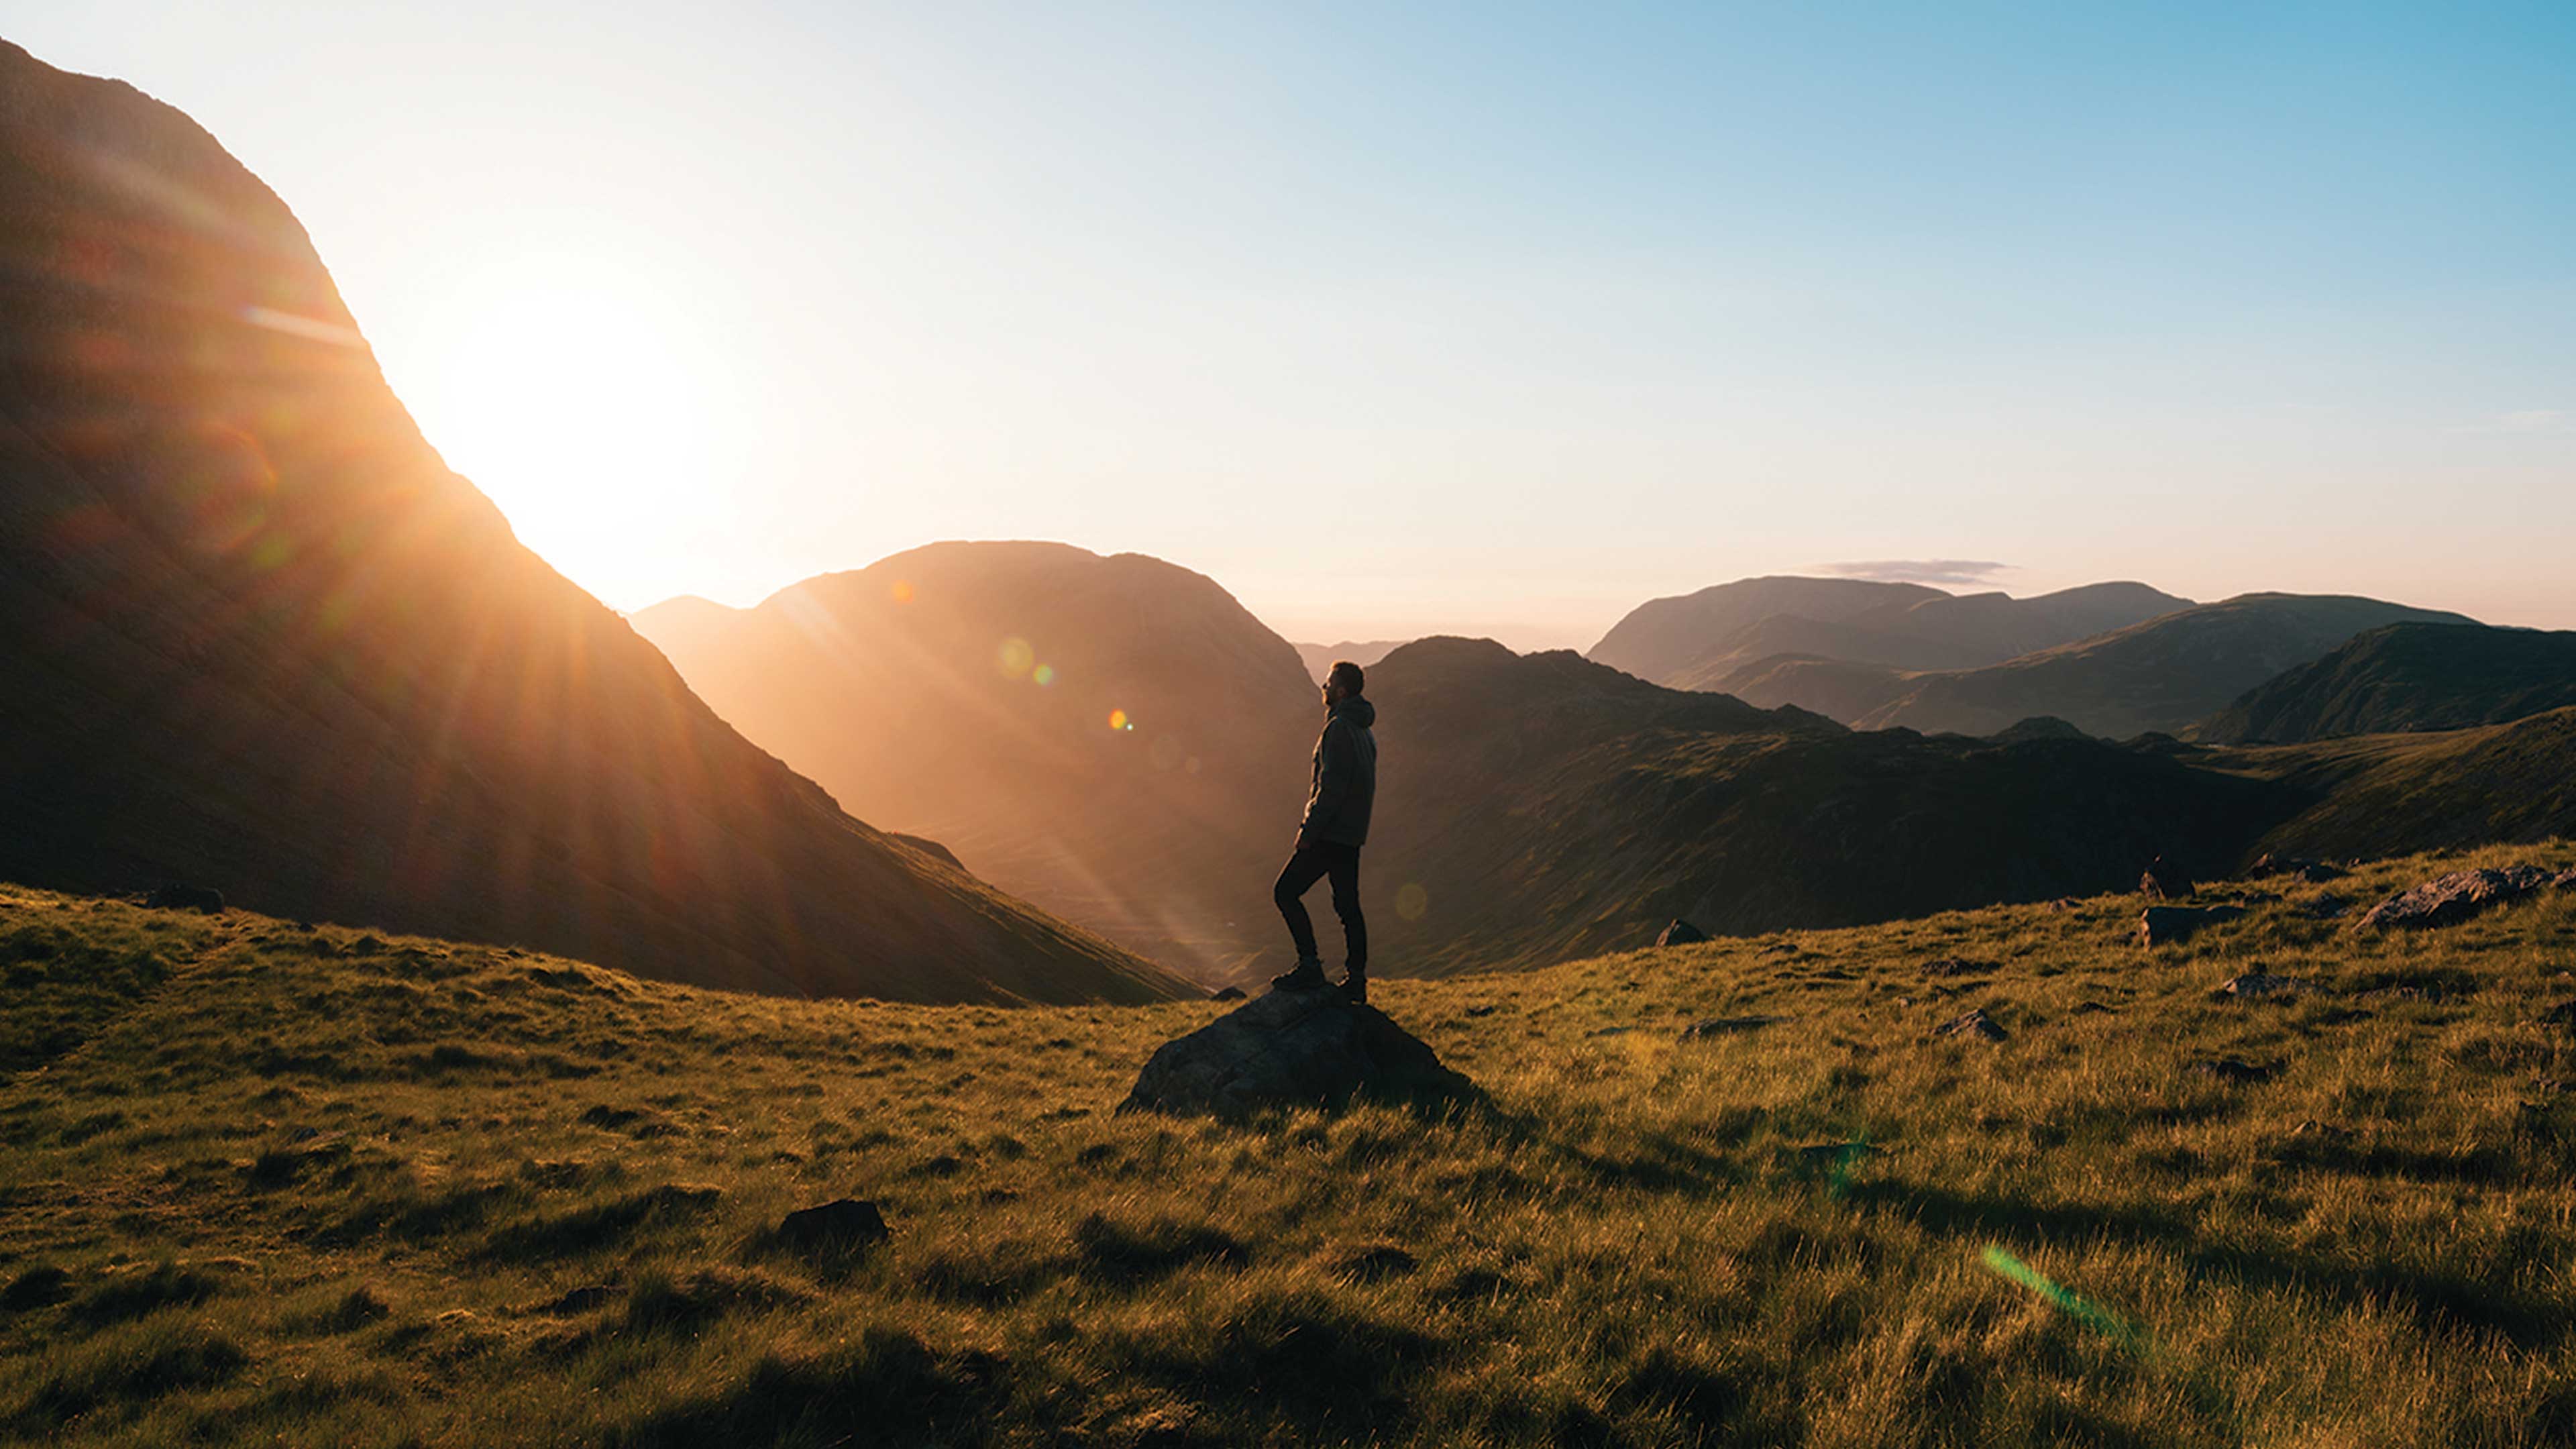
(579,399)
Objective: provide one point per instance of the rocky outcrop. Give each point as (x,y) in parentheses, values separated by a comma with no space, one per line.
(2164,881)
(1975,1024)
(2164,925)
(1681,933)
(2447,899)
(1293,1049)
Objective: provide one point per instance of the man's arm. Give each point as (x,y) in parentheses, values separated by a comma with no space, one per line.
(1332,780)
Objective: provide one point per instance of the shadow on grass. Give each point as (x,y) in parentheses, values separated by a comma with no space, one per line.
(890,1382)
(2442,1301)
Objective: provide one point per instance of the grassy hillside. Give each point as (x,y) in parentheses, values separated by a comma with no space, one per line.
(2379,794)
(255,636)
(2406,678)
(287,1186)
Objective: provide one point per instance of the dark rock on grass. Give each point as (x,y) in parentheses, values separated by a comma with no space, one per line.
(2166,882)
(178,897)
(2261,985)
(1949,966)
(39,1287)
(588,1298)
(1226,993)
(842,1225)
(1374,1263)
(2232,1071)
(2326,906)
(1484,1009)
(2563,1014)
(2446,899)
(2314,872)
(2566,880)
(1681,933)
(2164,925)
(1294,1048)
(1975,1024)
(1717,1026)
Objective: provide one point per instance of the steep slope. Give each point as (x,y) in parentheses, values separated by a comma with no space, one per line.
(1962,632)
(1534,808)
(2160,675)
(2403,678)
(1663,636)
(2386,794)
(256,636)
(967,691)
(1320,657)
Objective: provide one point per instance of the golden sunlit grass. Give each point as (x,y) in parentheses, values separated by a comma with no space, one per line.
(315,1188)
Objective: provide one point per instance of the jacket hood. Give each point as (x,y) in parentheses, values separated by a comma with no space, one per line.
(1357,710)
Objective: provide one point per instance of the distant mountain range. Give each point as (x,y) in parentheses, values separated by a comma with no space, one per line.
(1700,640)
(1113,737)
(2162,674)
(1319,658)
(1541,806)
(2406,678)
(256,637)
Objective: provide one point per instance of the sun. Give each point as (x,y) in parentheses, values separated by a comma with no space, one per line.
(583,399)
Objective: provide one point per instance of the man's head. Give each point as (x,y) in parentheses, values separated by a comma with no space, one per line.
(1343,681)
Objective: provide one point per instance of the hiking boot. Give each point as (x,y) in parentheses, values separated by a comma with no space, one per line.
(1307,975)
(1355,986)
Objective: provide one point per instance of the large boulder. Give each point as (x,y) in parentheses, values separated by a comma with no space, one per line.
(2164,925)
(2455,897)
(1293,1049)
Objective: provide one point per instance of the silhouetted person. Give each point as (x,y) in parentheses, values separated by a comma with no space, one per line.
(1329,840)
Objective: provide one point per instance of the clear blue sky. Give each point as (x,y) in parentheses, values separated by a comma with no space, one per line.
(1487,318)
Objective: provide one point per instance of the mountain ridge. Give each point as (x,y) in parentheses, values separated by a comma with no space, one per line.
(261,638)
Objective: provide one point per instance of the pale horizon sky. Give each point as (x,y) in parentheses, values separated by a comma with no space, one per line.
(1479,319)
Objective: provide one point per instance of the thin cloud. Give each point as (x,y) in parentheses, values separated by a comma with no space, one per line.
(1935,571)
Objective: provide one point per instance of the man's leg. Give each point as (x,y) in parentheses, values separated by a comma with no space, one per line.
(1295,878)
(1345,873)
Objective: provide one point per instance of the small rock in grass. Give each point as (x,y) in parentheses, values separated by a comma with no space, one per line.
(584,1299)
(1955,966)
(2232,1071)
(1728,1026)
(836,1226)
(2162,925)
(2261,984)
(1486,1009)
(1976,1023)
(1681,933)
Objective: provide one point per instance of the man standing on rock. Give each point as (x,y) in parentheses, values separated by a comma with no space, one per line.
(1329,841)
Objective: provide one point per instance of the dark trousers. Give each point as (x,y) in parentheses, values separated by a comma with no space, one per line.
(1307,866)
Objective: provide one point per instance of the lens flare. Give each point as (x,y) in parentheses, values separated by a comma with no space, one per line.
(1118,720)
(1043,675)
(1412,902)
(1016,657)
(901,591)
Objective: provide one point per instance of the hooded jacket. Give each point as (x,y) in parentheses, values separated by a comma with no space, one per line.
(1345,782)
